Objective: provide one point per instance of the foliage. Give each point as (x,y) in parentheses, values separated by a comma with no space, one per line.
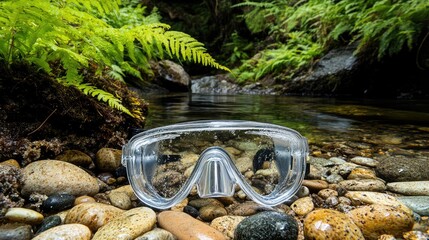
(380,27)
(65,38)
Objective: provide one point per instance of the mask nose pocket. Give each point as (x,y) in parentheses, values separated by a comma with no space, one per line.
(214,170)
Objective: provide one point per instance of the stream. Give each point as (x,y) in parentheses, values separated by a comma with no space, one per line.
(355,127)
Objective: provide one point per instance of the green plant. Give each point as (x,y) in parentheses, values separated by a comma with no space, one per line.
(65,37)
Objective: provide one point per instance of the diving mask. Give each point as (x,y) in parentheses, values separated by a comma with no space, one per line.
(266,161)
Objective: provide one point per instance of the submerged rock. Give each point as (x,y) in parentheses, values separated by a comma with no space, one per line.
(401,169)
(66,232)
(15,231)
(267,225)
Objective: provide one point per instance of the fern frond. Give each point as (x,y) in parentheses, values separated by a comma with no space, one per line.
(104,96)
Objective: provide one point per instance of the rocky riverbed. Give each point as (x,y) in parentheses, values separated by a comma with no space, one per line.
(77,196)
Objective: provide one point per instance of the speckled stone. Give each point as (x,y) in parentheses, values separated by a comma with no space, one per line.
(415,235)
(11,162)
(325,193)
(375,220)
(15,231)
(210,212)
(185,227)
(66,232)
(364,161)
(201,202)
(302,206)
(401,168)
(92,215)
(157,234)
(415,188)
(120,200)
(127,189)
(49,177)
(315,185)
(365,197)
(108,159)
(127,225)
(227,224)
(75,157)
(362,173)
(267,225)
(329,224)
(244,209)
(24,215)
(84,199)
(373,185)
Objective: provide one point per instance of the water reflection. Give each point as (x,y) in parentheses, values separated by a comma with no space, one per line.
(374,124)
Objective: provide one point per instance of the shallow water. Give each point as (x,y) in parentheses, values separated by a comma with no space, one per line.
(387,126)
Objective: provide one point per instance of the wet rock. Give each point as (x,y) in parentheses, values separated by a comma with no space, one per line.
(191,211)
(11,162)
(127,189)
(227,225)
(325,193)
(334,178)
(376,220)
(127,225)
(168,183)
(401,169)
(83,199)
(243,164)
(315,185)
(58,202)
(92,215)
(108,159)
(330,224)
(303,192)
(365,197)
(419,204)
(332,201)
(24,215)
(244,209)
(11,179)
(415,235)
(267,225)
(302,206)
(201,202)
(171,75)
(15,231)
(185,227)
(66,232)
(49,222)
(180,206)
(415,188)
(210,212)
(363,161)
(120,200)
(373,185)
(51,176)
(362,173)
(157,234)
(75,157)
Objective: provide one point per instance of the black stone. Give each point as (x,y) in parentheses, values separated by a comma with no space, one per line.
(58,202)
(49,222)
(191,211)
(261,156)
(267,225)
(121,171)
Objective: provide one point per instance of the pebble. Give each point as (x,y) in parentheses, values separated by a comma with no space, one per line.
(181,205)
(364,161)
(191,211)
(201,202)
(303,192)
(108,159)
(49,177)
(365,197)
(373,185)
(66,232)
(243,164)
(185,227)
(15,231)
(83,199)
(128,190)
(334,178)
(362,173)
(49,222)
(11,162)
(325,193)
(267,225)
(92,215)
(376,219)
(244,209)
(210,212)
(227,225)
(58,202)
(75,157)
(302,206)
(416,235)
(415,188)
(330,224)
(24,215)
(402,169)
(157,234)
(120,200)
(128,225)
(419,204)
(315,185)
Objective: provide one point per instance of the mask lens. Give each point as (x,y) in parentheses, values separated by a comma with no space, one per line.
(175,157)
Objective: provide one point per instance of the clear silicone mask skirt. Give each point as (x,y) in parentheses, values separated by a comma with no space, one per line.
(218,158)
